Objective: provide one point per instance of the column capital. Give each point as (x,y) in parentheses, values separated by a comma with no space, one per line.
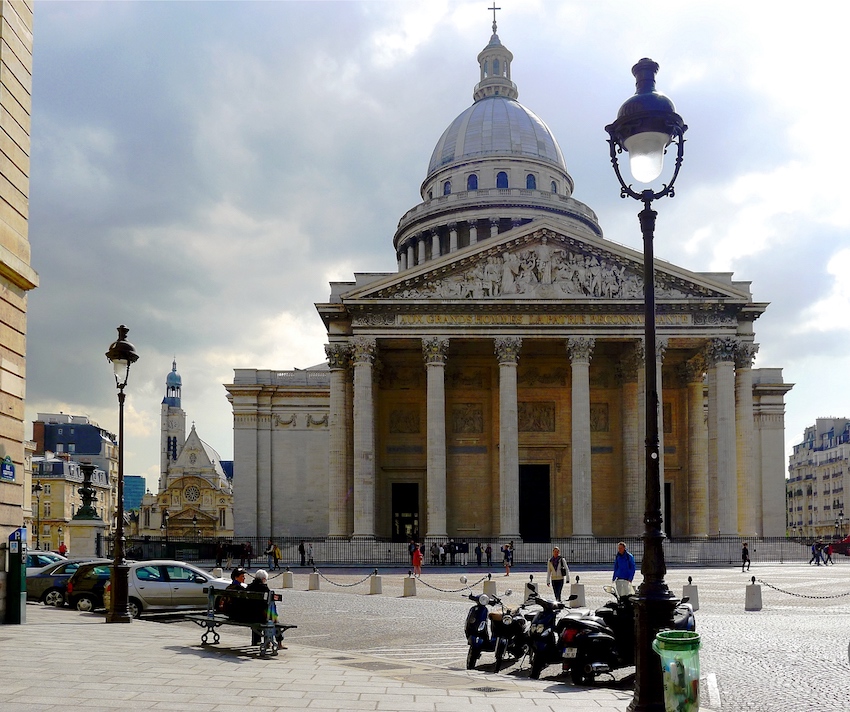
(580,348)
(494,222)
(693,370)
(364,350)
(338,355)
(720,350)
(435,350)
(507,349)
(453,226)
(661,347)
(745,353)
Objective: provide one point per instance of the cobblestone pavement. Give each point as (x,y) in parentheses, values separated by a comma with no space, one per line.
(356,651)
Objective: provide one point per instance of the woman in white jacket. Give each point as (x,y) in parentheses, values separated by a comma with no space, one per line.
(557,572)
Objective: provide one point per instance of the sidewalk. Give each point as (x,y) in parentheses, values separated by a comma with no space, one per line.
(62,660)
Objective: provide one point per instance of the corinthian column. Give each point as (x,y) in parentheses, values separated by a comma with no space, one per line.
(452,237)
(693,373)
(364,438)
(434,352)
(507,352)
(749,485)
(338,356)
(634,482)
(580,350)
(723,481)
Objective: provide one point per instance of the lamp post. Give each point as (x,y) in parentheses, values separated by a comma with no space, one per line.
(841,524)
(646,124)
(37,489)
(195,525)
(59,534)
(122,355)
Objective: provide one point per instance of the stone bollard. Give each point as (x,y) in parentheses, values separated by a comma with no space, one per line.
(409,585)
(577,589)
(490,586)
(287,579)
(530,589)
(313,582)
(691,592)
(752,602)
(217,572)
(375,583)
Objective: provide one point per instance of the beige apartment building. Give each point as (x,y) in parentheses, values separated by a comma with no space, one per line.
(817,471)
(492,387)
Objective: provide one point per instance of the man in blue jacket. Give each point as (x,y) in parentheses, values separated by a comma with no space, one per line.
(624,570)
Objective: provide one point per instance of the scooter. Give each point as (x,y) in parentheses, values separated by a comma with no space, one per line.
(544,634)
(596,644)
(509,628)
(476,629)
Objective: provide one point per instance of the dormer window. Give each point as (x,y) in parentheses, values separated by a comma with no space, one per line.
(496,67)
(472,182)
(502,180)
(447,188)
(554,187)
(531,182)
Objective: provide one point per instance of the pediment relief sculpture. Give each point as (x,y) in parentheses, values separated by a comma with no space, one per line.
(547,270)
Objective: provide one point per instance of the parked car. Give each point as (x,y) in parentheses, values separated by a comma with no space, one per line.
(841,547)
(49,584)
(165,585)
(85,587)
(37,559)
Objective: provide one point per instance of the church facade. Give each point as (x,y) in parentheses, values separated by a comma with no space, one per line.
(492,387)
(195,494)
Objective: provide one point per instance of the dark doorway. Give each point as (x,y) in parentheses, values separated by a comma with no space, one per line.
(405,511)
(668,509)
(534,506)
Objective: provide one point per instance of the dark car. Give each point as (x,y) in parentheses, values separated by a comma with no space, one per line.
(85,587)
(49,584)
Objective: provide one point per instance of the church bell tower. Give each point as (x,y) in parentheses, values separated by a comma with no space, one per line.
(172,424)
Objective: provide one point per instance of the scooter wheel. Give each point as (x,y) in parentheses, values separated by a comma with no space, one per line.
(578,675)
(472,657)
(500,654)
(537,665)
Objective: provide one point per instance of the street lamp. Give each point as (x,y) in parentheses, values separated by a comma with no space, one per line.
(122,355)
(59,534)
(163,527)
(195,525)
(38,489)
(646,124)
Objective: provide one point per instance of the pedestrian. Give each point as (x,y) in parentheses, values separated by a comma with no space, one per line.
(452,551)
(815,553)
(269,552)
(219,554)
(249,552)
(488,552)
(745,557)
(508,557)
(276,557)
(827,550)
(234,607)
(417,561)
(257,610)
(410,547)
(243,549)
(624,570)
(310,561)
(478,553)
(442,555)
(464,552)
(557,572)
(435,553)
(303,552)
(63,550)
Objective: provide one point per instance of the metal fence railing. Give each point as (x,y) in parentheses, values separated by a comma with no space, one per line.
(705,551)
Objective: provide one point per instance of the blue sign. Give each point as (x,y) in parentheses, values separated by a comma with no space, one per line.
(7,469)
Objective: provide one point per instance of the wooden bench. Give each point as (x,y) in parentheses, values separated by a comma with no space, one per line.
(271,633)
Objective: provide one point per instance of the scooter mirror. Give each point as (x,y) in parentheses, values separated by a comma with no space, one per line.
(463,579)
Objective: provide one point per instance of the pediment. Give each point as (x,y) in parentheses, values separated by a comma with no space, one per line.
(193,455)
(542,263)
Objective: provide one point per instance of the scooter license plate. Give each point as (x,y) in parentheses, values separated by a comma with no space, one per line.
(570,652)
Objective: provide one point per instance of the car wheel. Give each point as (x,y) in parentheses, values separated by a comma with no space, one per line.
(53,597)
(85,604)
(135,608)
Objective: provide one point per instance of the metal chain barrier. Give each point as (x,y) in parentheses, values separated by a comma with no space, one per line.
(801,595)
(447,590)
(345,585)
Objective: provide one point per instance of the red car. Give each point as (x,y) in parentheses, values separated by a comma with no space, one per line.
(841,547)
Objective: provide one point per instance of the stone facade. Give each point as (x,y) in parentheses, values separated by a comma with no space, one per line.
(493,386)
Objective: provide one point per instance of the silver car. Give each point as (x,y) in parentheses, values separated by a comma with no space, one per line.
(164,585)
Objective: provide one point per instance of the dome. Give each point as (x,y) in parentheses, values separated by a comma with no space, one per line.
(496,126)
(173,380)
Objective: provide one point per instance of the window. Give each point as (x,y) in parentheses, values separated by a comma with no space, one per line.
(60,447)
(58,431)
(486,68)
(447,188)
(502,180)
(72,447)
(472,182)
(46,489)
(554,187)
(222,516)
(496,67)
(149,573)
(530,182)
(179,573)
(45,509)
(430,195)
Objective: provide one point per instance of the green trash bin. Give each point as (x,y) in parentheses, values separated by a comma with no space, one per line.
(679,651)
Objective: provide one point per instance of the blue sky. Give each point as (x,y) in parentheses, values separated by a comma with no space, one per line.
(202,170)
